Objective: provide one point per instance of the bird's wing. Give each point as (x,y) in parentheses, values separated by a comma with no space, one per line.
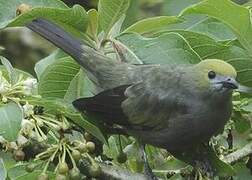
(139,105)
(105,106)
(153,106)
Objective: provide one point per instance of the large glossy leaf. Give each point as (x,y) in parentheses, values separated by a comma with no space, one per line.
(240,59)
(223,169)
(168,48)
(80,86)
(18,172)
(194,22)
(45,62)
(8,8)
(93,23)
(3,172)
(89,125)
(19,72)
(8,160)
(56,79)
(110,11)
(201,43)
(242,172)
(174,7)
(132,13)
(211,27)
(152,24)
(13,75)
(233,15)
(208,48)
(75,19)
(11,116)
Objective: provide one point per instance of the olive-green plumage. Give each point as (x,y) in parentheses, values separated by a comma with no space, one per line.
(169,106)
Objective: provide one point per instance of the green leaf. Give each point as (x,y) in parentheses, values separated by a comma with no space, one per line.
(75,19)
(3,172)
(168,48)
(241,124)
(80,86)
(93,23)
(196,23)
(223,169)
(132,13)
(240,59)
(17,71)
(152,24)
(11,116)
(8,8)
(201,43)
(58,106)
(116,29)
(211,27)
(242,172)
(57,77)
(114,146)
(174,7)
(82,121)
(231,14)
(18,172)
(45,62)
(8,160)
(157,159)
(110,11)
(208,48)
(12,74)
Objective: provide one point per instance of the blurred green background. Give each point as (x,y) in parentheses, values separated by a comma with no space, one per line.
(24,49)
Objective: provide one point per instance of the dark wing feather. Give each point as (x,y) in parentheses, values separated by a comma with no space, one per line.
(147,104)
(105,105)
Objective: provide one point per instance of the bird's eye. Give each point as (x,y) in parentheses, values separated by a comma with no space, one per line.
(211,74)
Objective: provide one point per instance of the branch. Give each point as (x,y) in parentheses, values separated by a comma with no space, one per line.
(239,154)
(113,172)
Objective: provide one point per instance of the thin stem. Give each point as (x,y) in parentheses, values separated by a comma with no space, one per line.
(71,157)
(64,153)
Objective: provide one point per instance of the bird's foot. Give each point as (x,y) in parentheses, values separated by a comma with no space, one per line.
(205,168)
(148,172)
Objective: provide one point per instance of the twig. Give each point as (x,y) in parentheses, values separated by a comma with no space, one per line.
(239,154)
(113,172)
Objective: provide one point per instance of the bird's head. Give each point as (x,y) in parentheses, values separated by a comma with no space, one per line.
(217,75)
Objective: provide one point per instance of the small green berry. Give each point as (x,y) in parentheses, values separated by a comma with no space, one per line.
(88,136)
(43,176)
(61,177)
(82,147)
(94,170)
(122,157)
(63,168)
(76,155)
(75,174)
(90,146)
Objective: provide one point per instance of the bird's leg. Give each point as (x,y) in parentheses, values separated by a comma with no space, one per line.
(147,170)
(205,168)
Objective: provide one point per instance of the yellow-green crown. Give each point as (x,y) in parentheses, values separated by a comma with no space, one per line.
(218,66)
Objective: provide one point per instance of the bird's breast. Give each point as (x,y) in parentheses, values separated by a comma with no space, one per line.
(202,120)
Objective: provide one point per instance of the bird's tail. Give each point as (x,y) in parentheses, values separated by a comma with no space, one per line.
(86,56)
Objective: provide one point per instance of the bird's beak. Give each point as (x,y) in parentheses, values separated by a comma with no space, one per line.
(230,83)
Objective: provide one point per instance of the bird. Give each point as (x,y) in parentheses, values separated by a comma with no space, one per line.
(175,107)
